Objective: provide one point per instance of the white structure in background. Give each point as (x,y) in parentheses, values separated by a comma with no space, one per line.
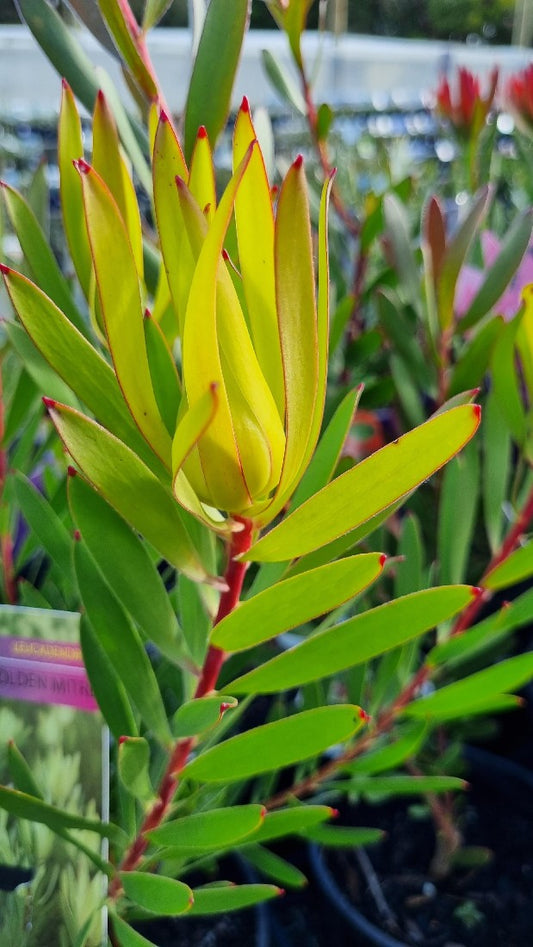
(350,69)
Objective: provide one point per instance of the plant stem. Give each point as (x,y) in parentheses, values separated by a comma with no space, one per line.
(234,577)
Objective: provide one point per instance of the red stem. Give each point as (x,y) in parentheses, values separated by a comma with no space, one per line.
(234,577)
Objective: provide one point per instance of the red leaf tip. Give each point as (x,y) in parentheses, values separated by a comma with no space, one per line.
(225,255)
(64,84)
(281,892)
(477,411)
(382,559)
(264,811)
(245,105)
(71,471)
(147,313)
(49,402)
(477,591)
(100,96)
(82,166)
(364,716)
(5,269)
(202,132)
(223,707)
(298,162)
(163,117)
(122,740)
(77,535)
(334,813)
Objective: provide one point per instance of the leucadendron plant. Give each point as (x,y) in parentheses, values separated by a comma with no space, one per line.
(185,371)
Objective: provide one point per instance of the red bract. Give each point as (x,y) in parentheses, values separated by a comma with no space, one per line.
(466,108)
(519,96)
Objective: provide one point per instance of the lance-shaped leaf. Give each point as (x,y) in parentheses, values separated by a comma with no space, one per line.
(106,684)
(501,271)
(292,821)
(133,767)
(201,714)
(157,894)
(355,641)
(283,82)
(344,836)
(38,254)
(230,897)
(131,43)
(515,568)
(153,11)
(122,643)
(74,359)
(139,588)
(254,218)
(119,295)
(506,381)
(455,256)
(108,162)
(127,936)
(28,807)
(295,601)
(472,364)
(457,514)
(276,745)
(168,164)
(214,69)
(69,149)
(129,486)
(393,754)
(377,787)
(201,181)
(59,43)
(163,372)
(208,830)
(45,523)
(482,686)
(370,487)
(272,866)
(397,224)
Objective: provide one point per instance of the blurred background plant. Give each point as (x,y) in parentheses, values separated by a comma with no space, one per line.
(429,265)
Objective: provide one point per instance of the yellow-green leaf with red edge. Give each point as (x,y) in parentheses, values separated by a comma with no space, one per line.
(276,745)
(370,487)
(298,330)
(254,218)
(129,486)
(108,162)
(294,601)
(201,181)
(120,299)
(75,361)
(356,640)
(69,149)
(131,43)
(216,346)
(169,163)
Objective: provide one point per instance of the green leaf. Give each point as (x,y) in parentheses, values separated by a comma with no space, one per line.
(402,334)
(409,574)
(154,10)
(157,894)
(43,376)
(28,807)
(475,357)
(216,900)
(75,360)
(122,644)
(47,526)
(21,773)
(133,767)
(196,716)
(139,587)
(492,681)
(283,82)
(275,745)
(481,706)
(275,867)
(39,255)
(501,271)
(344,836)
(496,470)
(370,487)
(214,69)
(218,828)
(457,514)
(392,754)
(106,684)
(126,936)
(327,453)
(515,568)
(129,486)
(58,42)
(506,382)
(292,821)
(296,601)
(163,373)
(355,641)
(372,787)
(455,255)
(398,235)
